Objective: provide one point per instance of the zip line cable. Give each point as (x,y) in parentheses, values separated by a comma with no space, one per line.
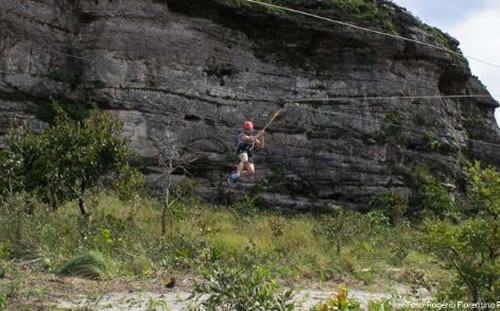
(333,99)
(411,129)
(274,6)
(253,98)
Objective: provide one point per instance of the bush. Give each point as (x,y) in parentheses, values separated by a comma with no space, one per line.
(472,247)
(339,301)
(391,204)
(483,191)
(433,198)
(91,265)
(431,141)
(66,160)
(241,289)
(394,128)
(340,228)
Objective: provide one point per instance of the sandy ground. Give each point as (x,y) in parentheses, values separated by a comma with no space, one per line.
(179,300)
(32,289)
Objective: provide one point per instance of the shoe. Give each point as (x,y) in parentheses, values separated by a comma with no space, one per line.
(230,181)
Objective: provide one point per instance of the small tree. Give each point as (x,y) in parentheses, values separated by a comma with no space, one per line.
(472,248)
(171,159)
(340,227)
(66,160)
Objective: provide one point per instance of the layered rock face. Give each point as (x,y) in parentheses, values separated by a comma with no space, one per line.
(193,70)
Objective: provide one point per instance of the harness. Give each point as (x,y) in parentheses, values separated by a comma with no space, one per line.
(242,146)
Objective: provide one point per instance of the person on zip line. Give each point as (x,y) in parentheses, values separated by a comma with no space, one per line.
(246,144)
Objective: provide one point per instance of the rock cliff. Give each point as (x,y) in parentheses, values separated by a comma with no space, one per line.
(193,70)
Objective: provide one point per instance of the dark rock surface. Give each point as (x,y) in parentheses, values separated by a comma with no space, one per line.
(196,69)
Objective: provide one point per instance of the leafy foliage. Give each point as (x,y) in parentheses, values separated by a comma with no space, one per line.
(241,289)
(394,128)
(433,198)
(66,160)
(483,191)
(340,227)
(73,109)
(472,250)
(130,183)
(339,301)
(431,140)
(391,204)
(472,247)
(359,10)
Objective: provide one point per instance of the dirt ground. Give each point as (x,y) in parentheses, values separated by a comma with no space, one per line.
(29,289)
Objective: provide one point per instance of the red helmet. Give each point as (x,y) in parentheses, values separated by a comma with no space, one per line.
(247,125)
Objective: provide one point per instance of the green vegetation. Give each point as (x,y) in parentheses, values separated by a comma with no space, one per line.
(444,41)
(394,128)
(391,204)
(361,11)
(3,301)
(239,251)
(471,247)
(289,247)
(432,141)
(242,289)
(433,198)
(90,265)
(66,160)
(64,74)
(338,301)
(73,109)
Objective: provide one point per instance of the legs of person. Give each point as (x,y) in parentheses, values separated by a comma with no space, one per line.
(241,166)
(240,169)
(246,167)
(249,169)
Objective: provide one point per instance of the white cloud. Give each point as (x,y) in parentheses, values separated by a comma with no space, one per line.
(475,24)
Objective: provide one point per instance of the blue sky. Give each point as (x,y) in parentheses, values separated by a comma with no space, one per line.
(476,24)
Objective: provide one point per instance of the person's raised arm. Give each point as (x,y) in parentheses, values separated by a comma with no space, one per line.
(250,139)
(260,142)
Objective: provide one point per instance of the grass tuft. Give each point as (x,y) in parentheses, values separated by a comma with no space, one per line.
(91,265)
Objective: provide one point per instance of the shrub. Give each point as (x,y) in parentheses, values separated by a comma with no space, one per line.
(394,130)
(472,247)
(91,265)
(339,301)
(391,204)
(483,191)
(431,140)
(66,160)
(339,228)
(241,289)
(432,196)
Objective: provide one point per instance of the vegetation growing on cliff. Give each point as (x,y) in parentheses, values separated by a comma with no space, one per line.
(364,11)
